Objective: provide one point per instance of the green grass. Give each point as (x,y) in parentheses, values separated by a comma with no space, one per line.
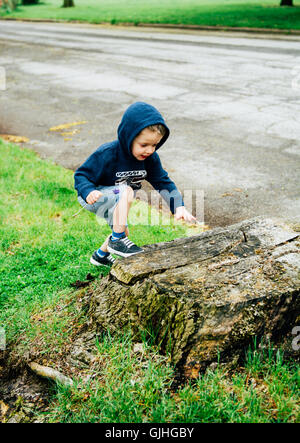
(132,388)
(43,250)
(241,13)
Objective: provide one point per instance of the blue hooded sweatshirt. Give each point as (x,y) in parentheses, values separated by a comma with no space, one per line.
(114,162)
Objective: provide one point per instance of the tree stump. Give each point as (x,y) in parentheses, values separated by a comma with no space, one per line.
(205,297)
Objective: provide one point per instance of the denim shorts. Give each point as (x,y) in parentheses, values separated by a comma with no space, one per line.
(105,206)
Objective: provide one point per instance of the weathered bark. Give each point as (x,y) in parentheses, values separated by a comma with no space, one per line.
(204,298)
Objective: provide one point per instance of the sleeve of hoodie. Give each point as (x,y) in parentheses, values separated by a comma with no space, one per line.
(159,179)
(88,175)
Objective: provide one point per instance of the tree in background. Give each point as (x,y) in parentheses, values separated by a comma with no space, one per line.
(30,2)
(68,3)
(286,3)
(10,4)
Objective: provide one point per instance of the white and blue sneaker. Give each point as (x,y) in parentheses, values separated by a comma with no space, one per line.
(107,260)
(123,247)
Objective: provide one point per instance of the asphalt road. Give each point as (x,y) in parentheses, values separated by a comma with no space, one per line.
(230,100)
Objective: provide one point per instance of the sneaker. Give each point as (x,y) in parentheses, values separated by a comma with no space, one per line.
(96,260)
(123,247)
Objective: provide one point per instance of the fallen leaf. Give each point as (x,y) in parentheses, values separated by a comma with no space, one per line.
(227,194)
(3,408)
(57,217)
(66,126)
(14,138)
(65,134)
(139,348)
(80,284)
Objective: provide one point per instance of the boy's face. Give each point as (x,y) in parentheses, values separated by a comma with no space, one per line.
(145,144)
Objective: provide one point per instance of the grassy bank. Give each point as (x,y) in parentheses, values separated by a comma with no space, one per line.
(43,248)
(240,13)
(134,388)
(43,251)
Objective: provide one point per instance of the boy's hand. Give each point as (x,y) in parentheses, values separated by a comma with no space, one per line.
(182,214)
(93,197)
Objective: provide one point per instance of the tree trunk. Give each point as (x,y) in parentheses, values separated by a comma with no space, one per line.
(29,2)
(286,3)
(11,4)
(68,3)
(205,298)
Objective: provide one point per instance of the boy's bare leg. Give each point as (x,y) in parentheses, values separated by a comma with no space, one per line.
(119,242)
(122,210)
(104,246)
(119,226)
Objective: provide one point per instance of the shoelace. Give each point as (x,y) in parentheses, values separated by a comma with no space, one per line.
(127,242)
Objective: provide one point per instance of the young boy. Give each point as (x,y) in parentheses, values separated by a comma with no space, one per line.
(106,182)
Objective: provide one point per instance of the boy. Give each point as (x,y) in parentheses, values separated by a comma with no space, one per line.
(106,182)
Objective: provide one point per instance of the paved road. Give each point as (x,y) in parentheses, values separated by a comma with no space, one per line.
(231,101)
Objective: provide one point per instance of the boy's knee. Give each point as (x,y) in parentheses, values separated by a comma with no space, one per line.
(128,194)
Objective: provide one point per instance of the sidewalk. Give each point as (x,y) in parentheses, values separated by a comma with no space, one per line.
(164,27)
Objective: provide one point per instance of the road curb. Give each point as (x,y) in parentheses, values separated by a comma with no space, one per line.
(223,28)
(165,26)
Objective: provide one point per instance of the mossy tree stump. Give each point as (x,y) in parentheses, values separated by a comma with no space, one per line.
(205,297)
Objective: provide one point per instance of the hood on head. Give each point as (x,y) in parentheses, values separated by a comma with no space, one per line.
(136,118)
